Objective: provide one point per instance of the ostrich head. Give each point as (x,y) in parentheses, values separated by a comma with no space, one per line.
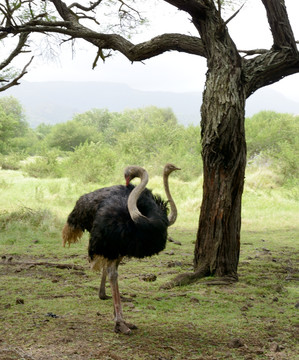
(169,168)
(133,171)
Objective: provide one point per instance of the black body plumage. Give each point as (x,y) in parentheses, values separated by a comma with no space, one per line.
(113,234)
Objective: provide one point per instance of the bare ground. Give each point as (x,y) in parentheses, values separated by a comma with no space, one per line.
(39,321)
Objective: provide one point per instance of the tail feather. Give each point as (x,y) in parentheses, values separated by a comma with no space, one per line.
(70,234)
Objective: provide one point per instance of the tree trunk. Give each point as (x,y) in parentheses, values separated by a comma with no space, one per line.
(224,159)
(223,151)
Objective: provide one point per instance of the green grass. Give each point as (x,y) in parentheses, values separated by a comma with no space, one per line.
(247,320)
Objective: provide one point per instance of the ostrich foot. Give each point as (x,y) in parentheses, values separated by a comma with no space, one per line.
(124,327)
(131,326)
(104,296)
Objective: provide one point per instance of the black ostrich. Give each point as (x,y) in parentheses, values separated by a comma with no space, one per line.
(122,221)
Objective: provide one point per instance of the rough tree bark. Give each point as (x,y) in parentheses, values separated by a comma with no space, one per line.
(231,79)
(224,155)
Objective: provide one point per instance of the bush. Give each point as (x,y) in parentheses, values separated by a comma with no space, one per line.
(274,137)
(91,163)
(287,160)
(34,218)
(44,166)
(69,135)
(12,161)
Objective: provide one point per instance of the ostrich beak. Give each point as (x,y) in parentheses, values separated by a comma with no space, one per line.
(128,179)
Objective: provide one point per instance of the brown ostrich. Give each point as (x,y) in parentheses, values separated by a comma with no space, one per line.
(122,221)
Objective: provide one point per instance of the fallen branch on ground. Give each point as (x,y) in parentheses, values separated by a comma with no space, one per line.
(45,263)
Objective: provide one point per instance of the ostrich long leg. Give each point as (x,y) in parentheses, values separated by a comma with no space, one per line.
(120,325)
(102,290)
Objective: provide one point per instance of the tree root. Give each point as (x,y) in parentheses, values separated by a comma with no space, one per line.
(186,278)
(203,271)
(225,280)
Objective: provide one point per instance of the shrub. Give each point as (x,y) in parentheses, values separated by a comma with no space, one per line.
(44,166)
(91,163)
(12,161)
(24,215)
(287,159)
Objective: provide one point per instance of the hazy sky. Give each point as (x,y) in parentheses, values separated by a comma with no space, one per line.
(172,71)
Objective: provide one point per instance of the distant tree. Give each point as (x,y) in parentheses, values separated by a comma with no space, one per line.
(13,107)
(42,130)
(12,122)
(98,118)
(274,139)
(267,129)
(69,135)
(232,76)
(151,115)
(151,130)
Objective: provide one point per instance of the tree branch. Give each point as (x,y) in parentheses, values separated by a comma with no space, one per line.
(193,7)
(145,50)
(282,60)
(234,15)
(44,263)
(18,49)
(253,52)
(279,24)
(148,49)
(84,8)
(269,68)
(17,78)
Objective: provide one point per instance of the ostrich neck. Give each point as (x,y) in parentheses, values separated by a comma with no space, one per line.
(133,197)
(173,210)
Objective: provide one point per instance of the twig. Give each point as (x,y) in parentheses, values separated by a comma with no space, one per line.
(45,263)
(254,52)
(235,14)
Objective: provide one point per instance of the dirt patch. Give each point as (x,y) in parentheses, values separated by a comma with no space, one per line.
(53,313)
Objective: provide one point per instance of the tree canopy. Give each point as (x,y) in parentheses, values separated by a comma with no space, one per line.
(13,124)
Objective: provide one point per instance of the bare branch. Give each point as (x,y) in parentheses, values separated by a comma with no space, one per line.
(234,15)
(269,68)
(84,8)
(84,16)
(16,79)
(130,8)
(193,7)
(142,51)
(18,49)
(101,55)
(254,52)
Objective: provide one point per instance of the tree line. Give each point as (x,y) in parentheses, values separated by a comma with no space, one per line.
(93,146)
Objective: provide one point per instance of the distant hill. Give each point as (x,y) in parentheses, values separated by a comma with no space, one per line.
(55,102)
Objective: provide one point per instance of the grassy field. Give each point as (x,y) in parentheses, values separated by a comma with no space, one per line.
(49,305)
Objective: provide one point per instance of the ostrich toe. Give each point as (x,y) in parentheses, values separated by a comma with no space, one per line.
(104,296)
(131,326)
(124,327)
(121,327)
